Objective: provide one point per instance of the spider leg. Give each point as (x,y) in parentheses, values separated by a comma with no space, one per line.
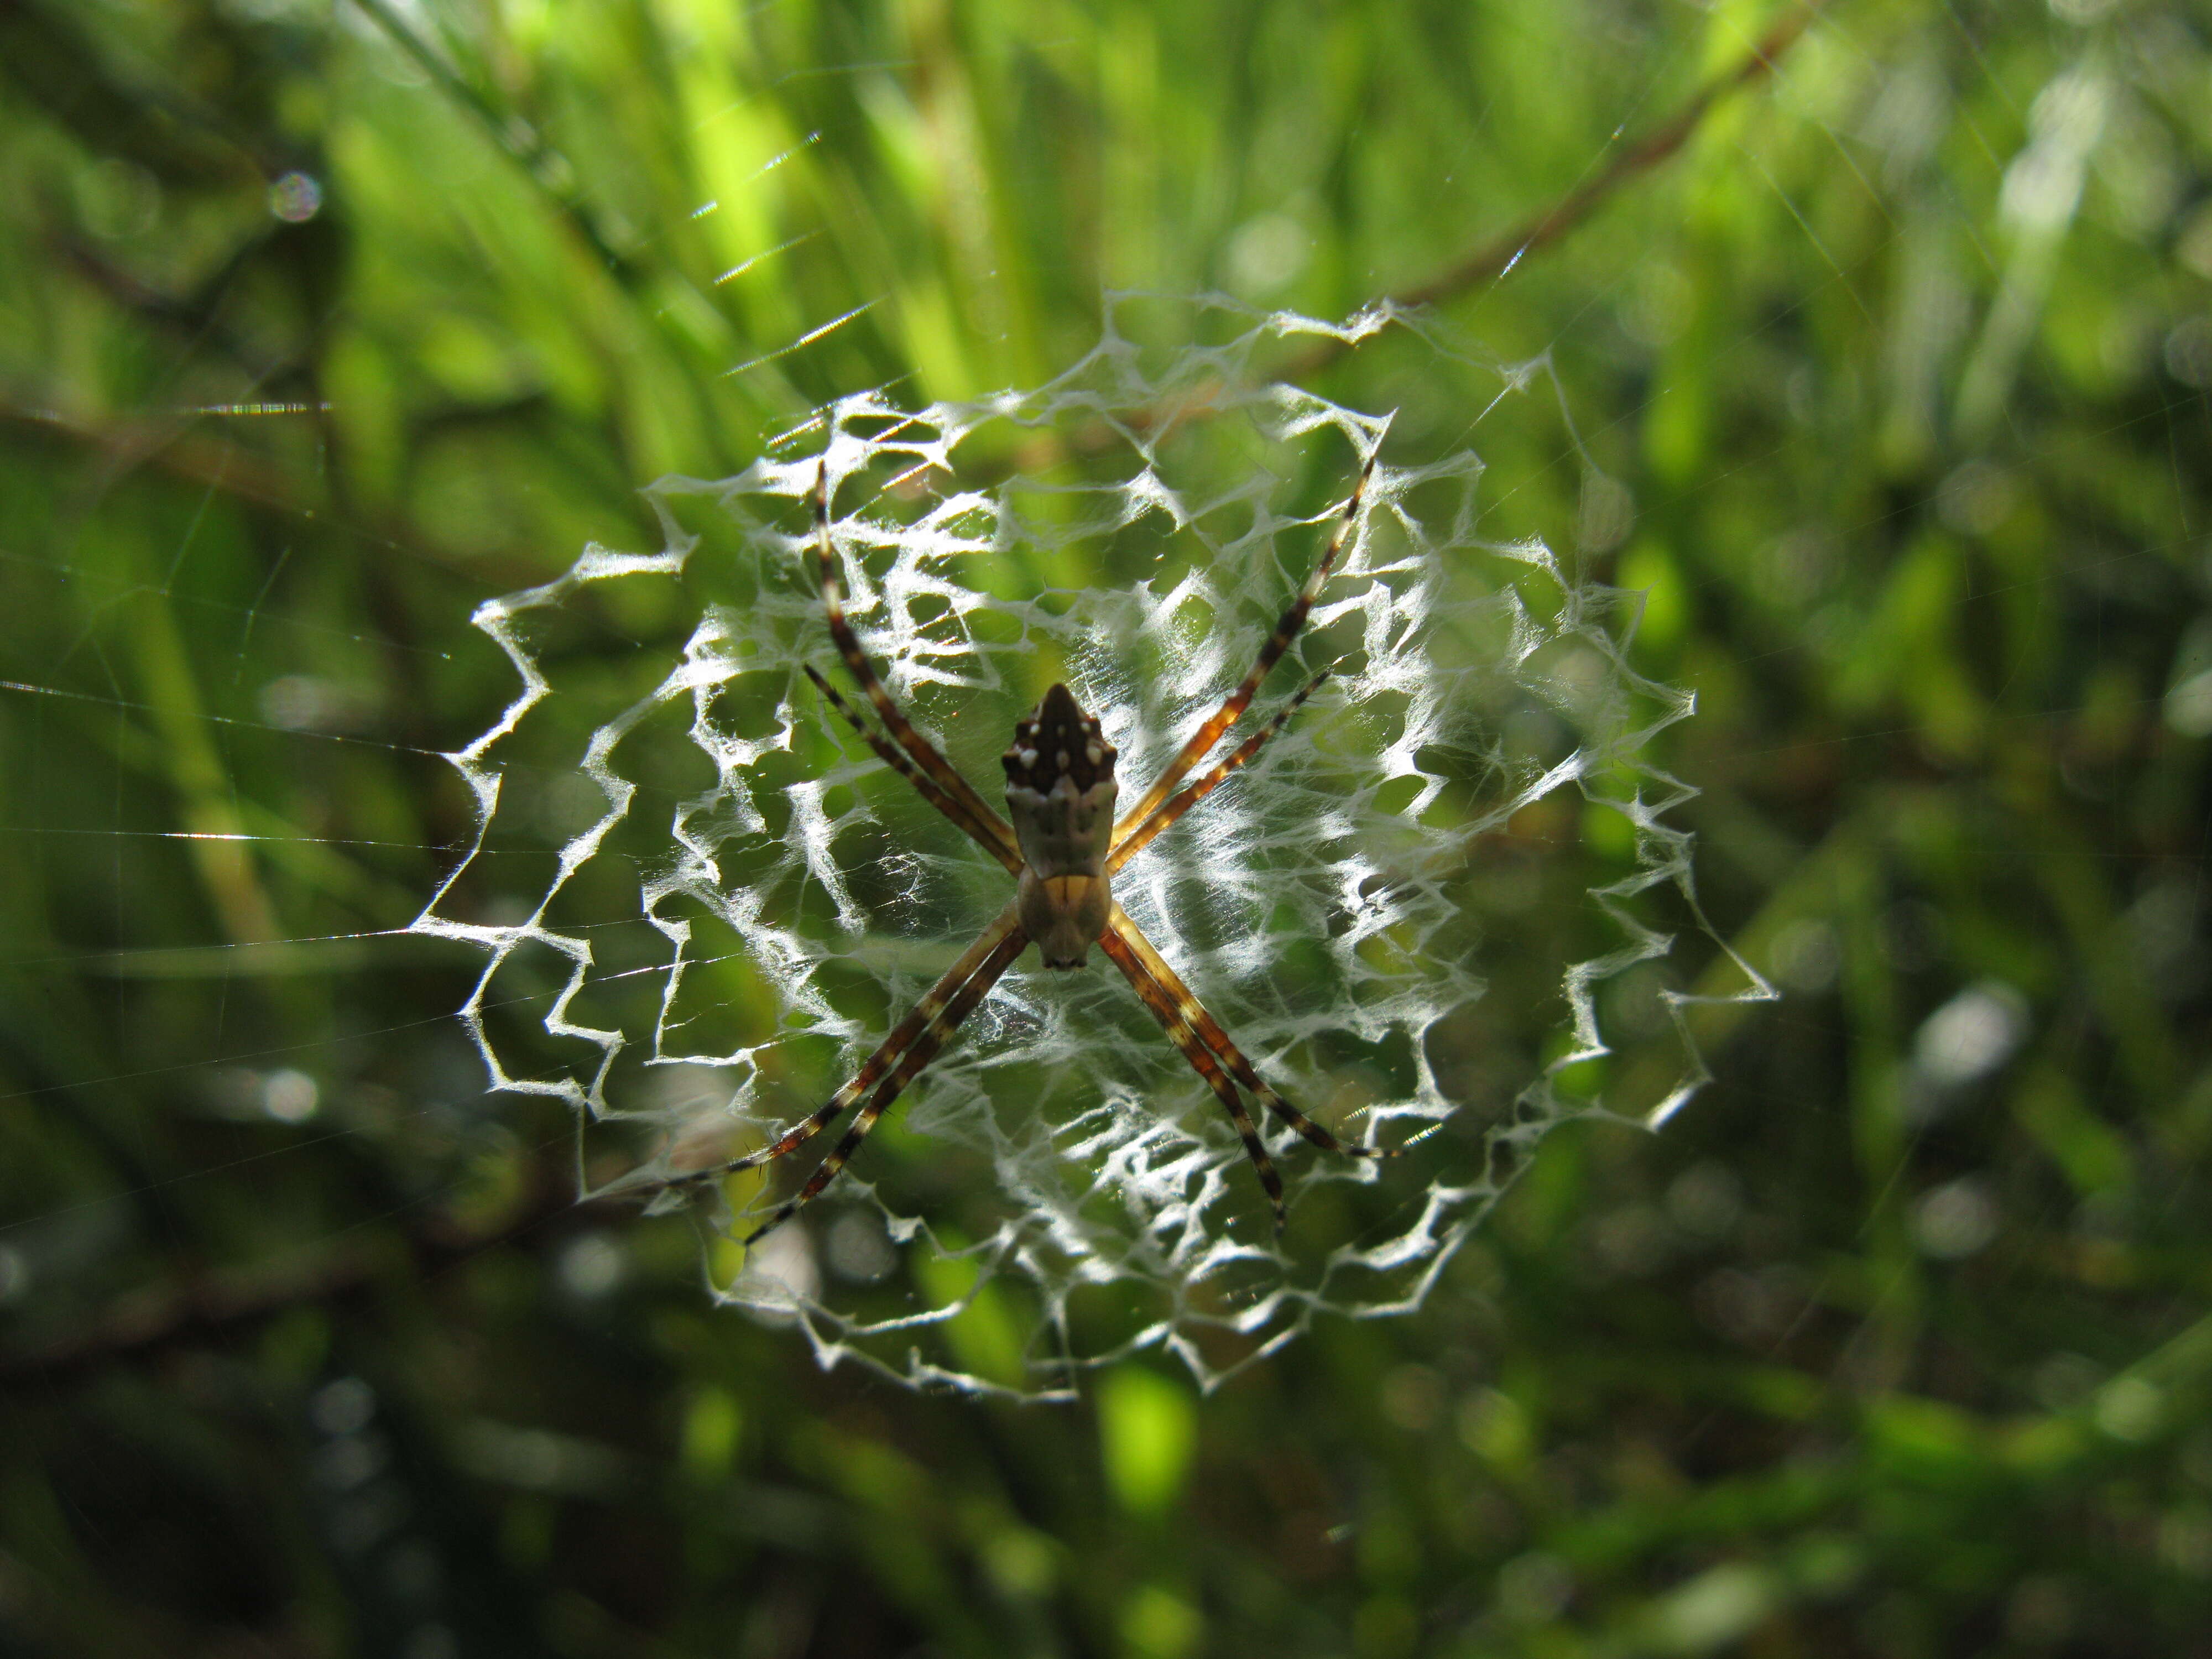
(1286,630)
(941,1028)
(923,752)
(1120,930)
(1191,794)
(1172,1015)
(897,760)
(878,1063)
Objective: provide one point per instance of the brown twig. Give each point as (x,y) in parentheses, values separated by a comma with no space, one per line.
(1495,258)
(213,1305)
(1492,258)
(169,445)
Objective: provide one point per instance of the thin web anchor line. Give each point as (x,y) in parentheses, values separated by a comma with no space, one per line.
(218,719)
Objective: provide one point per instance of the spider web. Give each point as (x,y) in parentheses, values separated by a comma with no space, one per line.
(710,903)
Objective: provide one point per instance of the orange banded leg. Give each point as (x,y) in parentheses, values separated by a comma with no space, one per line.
(1165,1009)
(923,752)
(924,1049)
(1191,794)
(1119,928)
(1286,630)
(896,759)
(897,1043)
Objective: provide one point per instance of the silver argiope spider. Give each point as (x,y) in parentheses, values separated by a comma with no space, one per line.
(1062,848)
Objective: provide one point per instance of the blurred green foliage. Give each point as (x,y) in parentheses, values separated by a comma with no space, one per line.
(320,323)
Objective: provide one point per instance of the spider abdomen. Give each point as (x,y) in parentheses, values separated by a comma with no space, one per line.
(1060,795)
(1064,914)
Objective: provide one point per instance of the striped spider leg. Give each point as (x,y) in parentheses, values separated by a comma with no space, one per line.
(1188,1025)
(1062,847)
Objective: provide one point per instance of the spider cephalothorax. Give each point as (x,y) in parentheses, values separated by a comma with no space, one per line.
(1062,850)
(1059,794)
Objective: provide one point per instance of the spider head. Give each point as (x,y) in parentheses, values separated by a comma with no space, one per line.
(1060,795)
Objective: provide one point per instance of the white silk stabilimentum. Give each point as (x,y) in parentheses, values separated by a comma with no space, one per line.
(705,902)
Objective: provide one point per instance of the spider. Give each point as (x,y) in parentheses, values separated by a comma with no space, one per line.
(1063,845)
